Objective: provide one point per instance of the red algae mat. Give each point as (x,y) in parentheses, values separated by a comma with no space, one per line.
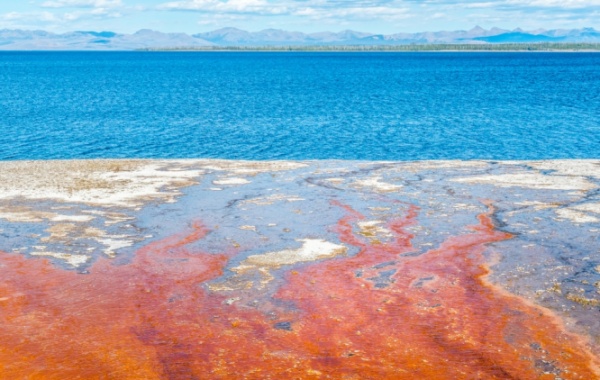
(330,270)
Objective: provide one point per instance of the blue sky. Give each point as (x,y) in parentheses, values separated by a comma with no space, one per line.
(377,16)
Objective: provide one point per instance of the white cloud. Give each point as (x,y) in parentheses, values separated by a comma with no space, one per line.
(10,16)
(502,5)
(355,13)
(313,9)
(381,16)
(29,16)
(488,4)
(54,20)
(228,6)
(82,4)
(555,3)
(219,20)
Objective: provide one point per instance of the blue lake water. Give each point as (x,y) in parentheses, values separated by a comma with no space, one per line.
(377,106)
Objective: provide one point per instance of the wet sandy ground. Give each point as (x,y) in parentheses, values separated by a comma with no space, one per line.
(320,269)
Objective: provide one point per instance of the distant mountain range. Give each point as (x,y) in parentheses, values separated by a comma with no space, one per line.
(144,39)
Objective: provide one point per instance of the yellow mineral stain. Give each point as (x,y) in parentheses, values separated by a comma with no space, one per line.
(583,300)
(373,230)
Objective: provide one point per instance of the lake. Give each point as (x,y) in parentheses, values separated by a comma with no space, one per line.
(258,106)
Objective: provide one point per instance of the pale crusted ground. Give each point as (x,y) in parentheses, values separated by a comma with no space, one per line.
(113,190)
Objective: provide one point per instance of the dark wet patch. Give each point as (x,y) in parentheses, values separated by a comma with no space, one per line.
(547,366)
(283,326)
(383,265)
(412,254)
(421,281)
(384,278)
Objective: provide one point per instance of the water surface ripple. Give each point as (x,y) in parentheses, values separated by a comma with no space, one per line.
(370,106)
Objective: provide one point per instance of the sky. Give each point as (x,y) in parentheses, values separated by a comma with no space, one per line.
(374,16)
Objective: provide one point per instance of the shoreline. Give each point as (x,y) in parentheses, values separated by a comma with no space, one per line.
(432,48)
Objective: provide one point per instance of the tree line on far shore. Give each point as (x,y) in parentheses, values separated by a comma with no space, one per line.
(545,46)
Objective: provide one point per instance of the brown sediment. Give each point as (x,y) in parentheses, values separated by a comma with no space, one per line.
(385,313)
(583,300)
(104,183)
(373,231)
